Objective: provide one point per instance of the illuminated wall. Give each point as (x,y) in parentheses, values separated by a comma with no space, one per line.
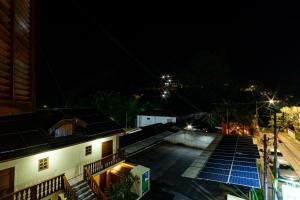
(68,160)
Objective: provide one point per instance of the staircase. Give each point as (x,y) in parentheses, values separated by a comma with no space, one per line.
(83,191)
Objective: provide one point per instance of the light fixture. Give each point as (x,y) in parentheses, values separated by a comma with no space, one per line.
(189,127)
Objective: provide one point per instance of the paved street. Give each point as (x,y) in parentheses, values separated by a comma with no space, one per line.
(290,149)
(167,163)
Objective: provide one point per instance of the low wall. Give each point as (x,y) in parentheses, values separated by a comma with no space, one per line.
(191,139)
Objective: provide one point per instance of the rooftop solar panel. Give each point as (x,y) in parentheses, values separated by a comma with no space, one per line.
(217,165)
(212,176)
(217,171)
(244,168)
(233,162)
(245,182)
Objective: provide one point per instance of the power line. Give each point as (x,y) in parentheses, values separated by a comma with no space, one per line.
(53,74)
(127,52)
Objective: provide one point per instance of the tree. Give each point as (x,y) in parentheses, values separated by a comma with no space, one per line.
(122,189)
(241,114)
(288,116)
(119,107)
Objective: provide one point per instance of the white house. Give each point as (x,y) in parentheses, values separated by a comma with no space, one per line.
(155,117)
(61,153)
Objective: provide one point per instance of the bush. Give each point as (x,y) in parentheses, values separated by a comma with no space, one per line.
(122,189)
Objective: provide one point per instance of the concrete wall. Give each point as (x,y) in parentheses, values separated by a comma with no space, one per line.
(191,139)
(146,120)
(68,160)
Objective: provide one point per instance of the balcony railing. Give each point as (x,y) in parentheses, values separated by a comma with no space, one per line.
(87,176)
(105,162)
(70,193)
(43,189)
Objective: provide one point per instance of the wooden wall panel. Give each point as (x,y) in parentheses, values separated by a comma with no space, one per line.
(17,81)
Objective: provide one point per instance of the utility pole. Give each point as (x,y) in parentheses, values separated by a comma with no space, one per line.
(265,169)
(282,121)
(126,120)
(227,126)
(256,113)
(275,170)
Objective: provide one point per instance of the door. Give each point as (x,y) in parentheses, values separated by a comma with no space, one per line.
(107,148)
(7,181)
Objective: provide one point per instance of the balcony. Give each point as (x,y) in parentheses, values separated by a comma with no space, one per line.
(98,166)
(60,182)
(43,189)
(105,162)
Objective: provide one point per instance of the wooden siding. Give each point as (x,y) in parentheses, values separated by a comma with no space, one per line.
(17,82)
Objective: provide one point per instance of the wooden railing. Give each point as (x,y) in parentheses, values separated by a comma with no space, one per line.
(71,195)
(105,162)
(87,176)
(43,189)
(38,191)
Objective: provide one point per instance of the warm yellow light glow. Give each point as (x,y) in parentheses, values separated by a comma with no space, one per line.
(117,168)
(271,101)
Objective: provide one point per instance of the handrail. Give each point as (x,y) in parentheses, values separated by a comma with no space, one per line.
(87,176)
(105,162)
(37,191)
(68,189)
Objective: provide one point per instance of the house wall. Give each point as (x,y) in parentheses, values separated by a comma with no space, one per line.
(146,120)
(68,160)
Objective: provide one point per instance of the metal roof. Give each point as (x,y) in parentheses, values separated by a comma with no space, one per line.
(28,133)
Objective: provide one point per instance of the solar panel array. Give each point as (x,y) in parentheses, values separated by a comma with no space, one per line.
(233,162)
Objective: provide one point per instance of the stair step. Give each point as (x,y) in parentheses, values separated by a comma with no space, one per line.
(86,193)
(80,186)
(78,183)
(89,197)
(83,189)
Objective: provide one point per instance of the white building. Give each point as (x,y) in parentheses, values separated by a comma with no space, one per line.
(72,153)
(154,117)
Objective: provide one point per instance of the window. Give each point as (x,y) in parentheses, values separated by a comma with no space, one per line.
(43,164)
(88,150)
(148,118)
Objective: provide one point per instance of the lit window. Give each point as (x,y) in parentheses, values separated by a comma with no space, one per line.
(43,164)
(88,150)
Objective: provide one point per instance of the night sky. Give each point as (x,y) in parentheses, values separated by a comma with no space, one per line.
(83,46)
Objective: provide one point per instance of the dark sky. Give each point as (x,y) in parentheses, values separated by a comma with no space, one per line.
(81,45)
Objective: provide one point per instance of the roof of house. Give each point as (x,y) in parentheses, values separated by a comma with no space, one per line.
(158,112)
(27,134)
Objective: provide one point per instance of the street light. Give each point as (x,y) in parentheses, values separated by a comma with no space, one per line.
(271,102)
(272,107)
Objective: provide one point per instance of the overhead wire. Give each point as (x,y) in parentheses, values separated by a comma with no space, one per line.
(127,52)
(52,74)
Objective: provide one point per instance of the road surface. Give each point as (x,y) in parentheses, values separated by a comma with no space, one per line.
(167,163)
(290,149)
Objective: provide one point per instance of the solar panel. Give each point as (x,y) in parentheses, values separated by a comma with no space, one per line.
(217,165)
(233,162)
(212,176)
(245,182)
(244,168)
